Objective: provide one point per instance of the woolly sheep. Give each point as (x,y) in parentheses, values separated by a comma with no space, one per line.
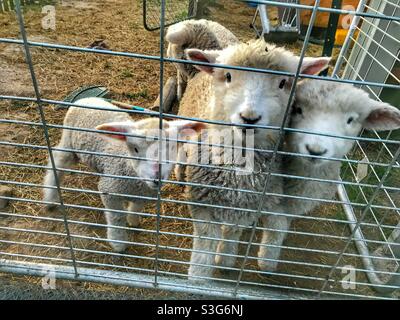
(238,97)
(328,108)
(116,143)
(200,34)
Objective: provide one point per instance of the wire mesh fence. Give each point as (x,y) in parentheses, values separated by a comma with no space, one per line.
(347,247)
(8,5)
(175,11)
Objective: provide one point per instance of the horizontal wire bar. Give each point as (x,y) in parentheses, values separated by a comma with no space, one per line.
(186,202)
(186,263)
(165,59)
(230,124)
(268,285)
(184,183)
(170,284)
(25,184)
(287,129)
(175,201)
(185,275)
(374,10)
(235,255)
(218,167)
(192,236)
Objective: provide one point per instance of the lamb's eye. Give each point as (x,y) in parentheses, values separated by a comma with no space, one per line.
(282,84)
(136,150)
(297,110)
(350,120)
(228,77)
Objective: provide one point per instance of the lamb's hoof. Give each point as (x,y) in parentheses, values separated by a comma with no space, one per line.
(267,265)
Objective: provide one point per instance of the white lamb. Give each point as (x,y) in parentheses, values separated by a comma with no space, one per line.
(327,108)
(236,97)
(117,143)
(200,34)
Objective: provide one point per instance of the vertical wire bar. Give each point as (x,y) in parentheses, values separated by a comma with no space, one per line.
(280,140)
(45,129)
(359,221)
(160,141)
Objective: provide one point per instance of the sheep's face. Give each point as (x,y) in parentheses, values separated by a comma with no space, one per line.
(247,98)
(145,147)
(334,110)
(250,99)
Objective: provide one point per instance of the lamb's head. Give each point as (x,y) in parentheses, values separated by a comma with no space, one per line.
(252,98)
(335,109)
(143,144)
(200,34)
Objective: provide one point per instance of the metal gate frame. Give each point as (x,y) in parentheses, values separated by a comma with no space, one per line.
(158,281)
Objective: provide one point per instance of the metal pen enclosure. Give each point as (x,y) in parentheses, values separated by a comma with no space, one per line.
(367,204)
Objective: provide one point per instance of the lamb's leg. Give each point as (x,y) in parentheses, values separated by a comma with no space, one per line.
(228,247)
(63,160)
(181,86)
(202,230)
(117,219)
(180,169)
(133,218)
(274,238)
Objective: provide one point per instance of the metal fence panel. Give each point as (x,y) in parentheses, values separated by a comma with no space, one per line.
(367,204)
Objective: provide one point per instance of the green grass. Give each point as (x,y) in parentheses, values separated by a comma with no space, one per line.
(136,95)
(374,154)
(9,5)
(126,74)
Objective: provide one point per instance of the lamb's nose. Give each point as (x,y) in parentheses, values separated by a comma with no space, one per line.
(315,151)
(250,120)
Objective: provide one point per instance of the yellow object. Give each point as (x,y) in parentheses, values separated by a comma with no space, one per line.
(341,34)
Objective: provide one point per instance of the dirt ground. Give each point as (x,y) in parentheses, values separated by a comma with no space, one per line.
(135,81)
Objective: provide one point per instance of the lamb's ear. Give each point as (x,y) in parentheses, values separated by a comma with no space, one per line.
(202,56)
(177,34)
(313,66)
(187,128)
(115,128)
(382,117)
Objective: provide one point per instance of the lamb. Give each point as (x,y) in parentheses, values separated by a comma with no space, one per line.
(116,142)
(329,108)
(246,99)
(200,34)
